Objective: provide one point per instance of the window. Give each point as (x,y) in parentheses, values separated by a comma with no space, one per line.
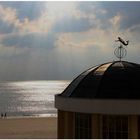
(82,126)
(114,127)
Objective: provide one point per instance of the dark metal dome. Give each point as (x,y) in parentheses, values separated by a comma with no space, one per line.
(114,80)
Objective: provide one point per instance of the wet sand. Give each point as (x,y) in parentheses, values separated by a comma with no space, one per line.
(31,128)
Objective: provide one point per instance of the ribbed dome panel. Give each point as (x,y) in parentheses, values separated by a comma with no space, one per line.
(119,79)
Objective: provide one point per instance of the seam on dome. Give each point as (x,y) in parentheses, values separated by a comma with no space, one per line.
(100,82)
(96,67)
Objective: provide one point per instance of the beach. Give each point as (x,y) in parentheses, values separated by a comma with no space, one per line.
(31,128)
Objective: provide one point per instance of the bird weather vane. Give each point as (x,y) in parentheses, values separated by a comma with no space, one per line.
(120,52)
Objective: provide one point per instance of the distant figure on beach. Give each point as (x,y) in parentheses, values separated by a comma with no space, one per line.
(5,115)
(1,115)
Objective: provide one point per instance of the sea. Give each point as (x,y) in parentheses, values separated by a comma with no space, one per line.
(30,98)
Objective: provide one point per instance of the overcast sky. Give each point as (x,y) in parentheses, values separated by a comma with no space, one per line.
(59,40)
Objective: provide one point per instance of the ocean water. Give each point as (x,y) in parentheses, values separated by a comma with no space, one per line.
(30,98)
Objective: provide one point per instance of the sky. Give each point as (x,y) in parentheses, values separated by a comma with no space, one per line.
(59,40)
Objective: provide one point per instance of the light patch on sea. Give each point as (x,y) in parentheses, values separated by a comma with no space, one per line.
(30,98)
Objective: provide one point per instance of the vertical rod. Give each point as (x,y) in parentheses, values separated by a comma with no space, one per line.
(120,52)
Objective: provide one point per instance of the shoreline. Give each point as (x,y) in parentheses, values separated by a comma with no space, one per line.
(28,128)
(30,116)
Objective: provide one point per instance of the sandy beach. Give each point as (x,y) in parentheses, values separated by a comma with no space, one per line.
(31,128)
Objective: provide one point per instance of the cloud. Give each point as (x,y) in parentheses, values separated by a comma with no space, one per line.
(72,25)
(26,9)
(93,38)
(9,16)
(135,29)
(129,12)
(67,17)
(29,40)
(49,43)
(99,13)
(40,25)
(6,28)
(105,11)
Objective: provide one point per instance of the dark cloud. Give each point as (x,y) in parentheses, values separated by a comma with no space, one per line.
(26,9)
(6,27)
(32,40)
(130,12)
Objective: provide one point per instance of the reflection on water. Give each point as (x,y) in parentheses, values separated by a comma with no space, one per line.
(33,98)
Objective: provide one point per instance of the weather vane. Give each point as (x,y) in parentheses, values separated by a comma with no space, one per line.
(120,51)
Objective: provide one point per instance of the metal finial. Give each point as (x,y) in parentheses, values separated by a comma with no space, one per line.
(120,52)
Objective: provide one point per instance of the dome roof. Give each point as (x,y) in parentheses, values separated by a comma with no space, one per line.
(114,80)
